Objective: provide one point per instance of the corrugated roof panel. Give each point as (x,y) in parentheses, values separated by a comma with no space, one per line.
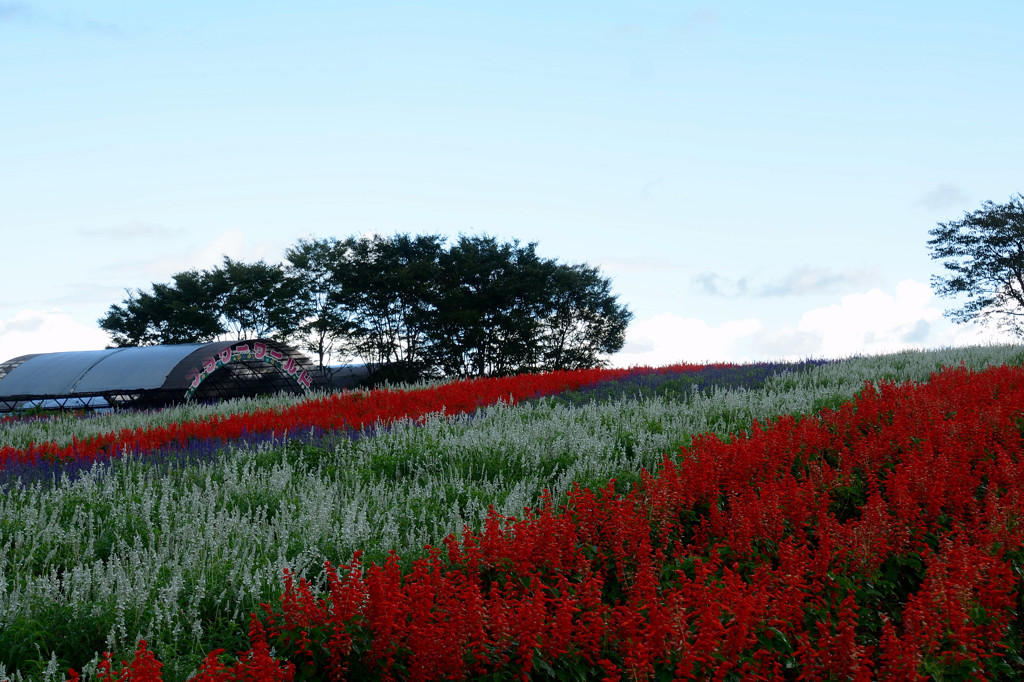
(51,373)
(144,367)
(155,375)
(7,366)
(93,371)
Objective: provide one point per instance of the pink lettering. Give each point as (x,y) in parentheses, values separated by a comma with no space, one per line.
(305,379)
(209,365)
(290,366)
(260,349)
(225,356)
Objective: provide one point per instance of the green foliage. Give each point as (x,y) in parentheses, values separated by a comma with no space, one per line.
(387,285)
(847,499)
(243,300)
(324,321)
(489,302)
(182,312)
(502,309)
(983,255)
(257,300)
(407,305)
(220,530)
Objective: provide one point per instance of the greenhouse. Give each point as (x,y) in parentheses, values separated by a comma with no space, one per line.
(156,376)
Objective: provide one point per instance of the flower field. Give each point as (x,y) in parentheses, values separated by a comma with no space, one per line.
(689,522)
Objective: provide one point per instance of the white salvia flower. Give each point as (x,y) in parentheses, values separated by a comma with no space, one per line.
(52,670)
(226,527)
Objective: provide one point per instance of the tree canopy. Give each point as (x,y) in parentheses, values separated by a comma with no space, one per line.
(411,305)
(489,303)
(389,284)
(236,300)
(983,255)
(325,323)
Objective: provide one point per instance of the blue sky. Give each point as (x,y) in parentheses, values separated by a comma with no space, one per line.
(758,179)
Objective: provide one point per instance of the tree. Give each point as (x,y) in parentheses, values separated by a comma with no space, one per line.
(130,324)
(502,309)
(257,300)
(489,303)
(984,252)
(387,285)
(325,323)
(185,311)
(192,313)
(584,319)
(411,305)
(237,300)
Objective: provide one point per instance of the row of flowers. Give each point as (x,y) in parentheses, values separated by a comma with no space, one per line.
(880,539)
(353,411)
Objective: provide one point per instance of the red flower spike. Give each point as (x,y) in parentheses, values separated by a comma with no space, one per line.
(714,565)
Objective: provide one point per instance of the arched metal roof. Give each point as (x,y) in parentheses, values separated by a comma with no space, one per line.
(148,376)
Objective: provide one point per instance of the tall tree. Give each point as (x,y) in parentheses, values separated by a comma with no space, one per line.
(186,310)
(983,253)
(257,299)
(409,304)
(584,319)
(387,285)
(490,300)
(130,324)
(236,300)
(326,321)
(195,311)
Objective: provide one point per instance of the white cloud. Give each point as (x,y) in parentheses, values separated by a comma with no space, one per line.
(874,322)
(46,331)
(649,188)
(869,323)
(666,339)
(802,281)
(944,195)
(140,265)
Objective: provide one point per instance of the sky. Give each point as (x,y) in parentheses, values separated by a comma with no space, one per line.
(757,179)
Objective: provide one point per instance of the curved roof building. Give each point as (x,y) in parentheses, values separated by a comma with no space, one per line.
(155,376)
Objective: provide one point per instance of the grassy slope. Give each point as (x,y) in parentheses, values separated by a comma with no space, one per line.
(77,557)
